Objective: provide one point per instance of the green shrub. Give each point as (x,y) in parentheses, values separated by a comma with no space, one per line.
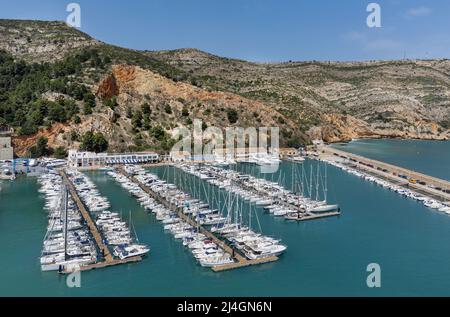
(60,152)
(93,142)
(232,116)
(77,120)
(40,148)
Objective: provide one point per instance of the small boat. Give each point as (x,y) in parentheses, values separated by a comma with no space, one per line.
(128,251)
(324,208)
(61,264)
(215,261)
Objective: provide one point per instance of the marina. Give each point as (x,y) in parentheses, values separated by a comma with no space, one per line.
(182,216)
(217,239)
(66,244)
(273,197)
(73,230)
(394,228)
(224,157)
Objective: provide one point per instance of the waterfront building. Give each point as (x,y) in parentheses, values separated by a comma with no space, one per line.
(221,154)
(244,154)
(90,159)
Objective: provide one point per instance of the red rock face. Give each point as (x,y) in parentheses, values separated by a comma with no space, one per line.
(108,87)
(23,143)
(124,73)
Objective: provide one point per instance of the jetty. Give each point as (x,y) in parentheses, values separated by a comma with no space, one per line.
(108,258)
(430,186)
(240,260)
(301,213)
(312,216)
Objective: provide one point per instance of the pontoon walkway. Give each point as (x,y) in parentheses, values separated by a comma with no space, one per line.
(109,260)
(240,261)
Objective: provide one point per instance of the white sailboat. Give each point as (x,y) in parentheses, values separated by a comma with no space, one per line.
(64,254)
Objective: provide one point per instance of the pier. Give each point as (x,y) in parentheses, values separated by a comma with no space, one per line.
(240,260)
(312,216)
(411,180)
(109,259)
(303,214)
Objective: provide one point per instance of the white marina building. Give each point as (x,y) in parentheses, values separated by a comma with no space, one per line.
(90,159)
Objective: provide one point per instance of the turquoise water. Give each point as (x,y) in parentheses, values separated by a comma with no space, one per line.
(324,257)
(430,157)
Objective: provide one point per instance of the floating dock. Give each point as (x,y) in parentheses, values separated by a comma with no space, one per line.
(109,259)
(312,216)
(240,260)
(104,264)
(303,214)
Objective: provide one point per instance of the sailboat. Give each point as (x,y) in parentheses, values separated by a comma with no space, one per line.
(125,251)
(60,261)
(322,206)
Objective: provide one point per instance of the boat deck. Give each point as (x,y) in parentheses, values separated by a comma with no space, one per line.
(240,260)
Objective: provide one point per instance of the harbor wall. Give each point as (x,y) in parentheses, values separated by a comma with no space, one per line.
(394,173)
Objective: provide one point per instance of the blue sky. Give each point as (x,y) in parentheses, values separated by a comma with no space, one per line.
(260,30)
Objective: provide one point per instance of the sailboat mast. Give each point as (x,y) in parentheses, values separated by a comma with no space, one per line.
(237,211)
(229,214)
(65,202)
(326,184)
(134,228)
(317,181)
(293,178)
(250,217)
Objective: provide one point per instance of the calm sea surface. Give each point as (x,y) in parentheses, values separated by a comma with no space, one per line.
(410,242)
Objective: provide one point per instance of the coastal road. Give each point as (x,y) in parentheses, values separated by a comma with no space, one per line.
(376,168)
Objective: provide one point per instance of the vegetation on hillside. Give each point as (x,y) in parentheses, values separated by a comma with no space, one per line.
(93,142)
(49,73)
(40,149)
(22,85)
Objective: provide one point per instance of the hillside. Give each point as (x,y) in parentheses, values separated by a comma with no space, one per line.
(409,99)
(36,41)
(58,82)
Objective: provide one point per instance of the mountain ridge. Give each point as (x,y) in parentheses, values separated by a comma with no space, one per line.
(334,101)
